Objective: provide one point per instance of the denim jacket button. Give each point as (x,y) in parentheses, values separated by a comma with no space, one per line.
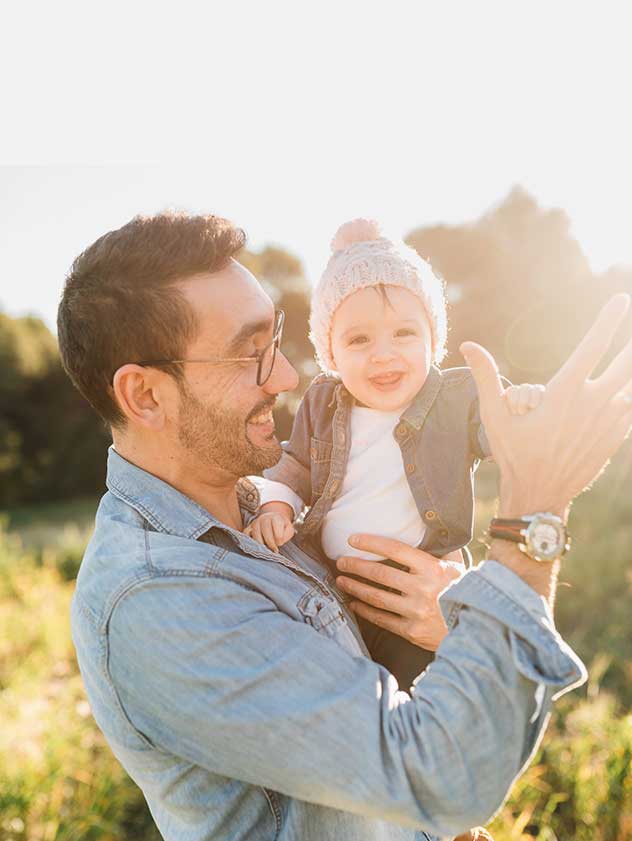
(410,467)
(400,430)
(430,515)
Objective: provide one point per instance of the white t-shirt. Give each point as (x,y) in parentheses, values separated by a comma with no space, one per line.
(375,497)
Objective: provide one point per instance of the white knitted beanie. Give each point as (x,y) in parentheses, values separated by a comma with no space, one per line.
(362,256)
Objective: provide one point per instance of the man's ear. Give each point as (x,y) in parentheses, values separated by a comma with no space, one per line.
(137,392)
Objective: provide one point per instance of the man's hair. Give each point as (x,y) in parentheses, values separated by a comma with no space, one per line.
(121,302)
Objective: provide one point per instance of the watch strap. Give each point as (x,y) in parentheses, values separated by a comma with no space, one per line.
(508,529)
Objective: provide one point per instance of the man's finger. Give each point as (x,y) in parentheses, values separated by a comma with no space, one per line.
(381,618)
(371,595)
(623,427)
(619,373)
(588,353)
(375,571)
(486,376)
(388,547)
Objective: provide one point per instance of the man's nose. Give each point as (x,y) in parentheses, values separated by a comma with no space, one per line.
(283,376)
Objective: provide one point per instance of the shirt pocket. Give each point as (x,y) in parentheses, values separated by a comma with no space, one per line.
(320,462)
(325,615)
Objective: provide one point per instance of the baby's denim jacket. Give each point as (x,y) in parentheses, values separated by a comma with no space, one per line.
(441,439)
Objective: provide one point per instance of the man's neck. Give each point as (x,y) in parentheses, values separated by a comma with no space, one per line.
(213,490)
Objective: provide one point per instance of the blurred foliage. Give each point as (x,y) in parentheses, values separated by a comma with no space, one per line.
(58,778)
(51,444)
(518,283)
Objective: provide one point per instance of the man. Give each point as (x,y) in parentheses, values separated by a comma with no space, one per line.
(228,679)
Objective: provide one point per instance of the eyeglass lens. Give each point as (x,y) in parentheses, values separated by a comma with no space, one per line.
(268,357)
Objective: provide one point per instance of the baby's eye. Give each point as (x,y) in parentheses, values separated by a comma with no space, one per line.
(406,331)
(358,340)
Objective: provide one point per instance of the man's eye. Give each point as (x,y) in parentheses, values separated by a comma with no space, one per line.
(406,331)
(358,340)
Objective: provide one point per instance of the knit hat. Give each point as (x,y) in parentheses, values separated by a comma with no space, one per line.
(362,256)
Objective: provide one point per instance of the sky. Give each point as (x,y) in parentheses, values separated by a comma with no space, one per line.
(292,117)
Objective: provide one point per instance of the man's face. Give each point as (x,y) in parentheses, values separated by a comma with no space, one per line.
(224,418)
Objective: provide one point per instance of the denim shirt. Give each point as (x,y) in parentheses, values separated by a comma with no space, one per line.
(233,687)
(441,439)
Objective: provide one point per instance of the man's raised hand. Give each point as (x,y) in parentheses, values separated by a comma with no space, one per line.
(552,453)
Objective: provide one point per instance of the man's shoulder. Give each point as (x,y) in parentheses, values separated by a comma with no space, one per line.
(125,551)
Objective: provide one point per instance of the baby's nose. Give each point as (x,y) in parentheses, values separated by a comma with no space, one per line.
(383,352)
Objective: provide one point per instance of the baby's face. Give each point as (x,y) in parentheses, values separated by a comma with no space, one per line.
(381,345)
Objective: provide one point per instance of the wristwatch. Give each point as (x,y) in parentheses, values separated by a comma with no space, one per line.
(542,536)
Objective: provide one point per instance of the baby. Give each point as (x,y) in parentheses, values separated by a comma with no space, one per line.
(383,441)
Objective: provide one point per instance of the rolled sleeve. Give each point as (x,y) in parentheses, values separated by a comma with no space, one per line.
(540,653)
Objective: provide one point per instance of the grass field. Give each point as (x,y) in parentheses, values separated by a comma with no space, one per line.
(59,782)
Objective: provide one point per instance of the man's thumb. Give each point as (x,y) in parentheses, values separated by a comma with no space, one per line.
(485,373)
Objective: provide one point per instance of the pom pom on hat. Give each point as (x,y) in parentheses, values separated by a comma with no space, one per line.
(357,230)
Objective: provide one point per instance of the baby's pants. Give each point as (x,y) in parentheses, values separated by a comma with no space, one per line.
(403,659)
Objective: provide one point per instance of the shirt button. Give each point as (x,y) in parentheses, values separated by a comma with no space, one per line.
(410,467)
(430,515)
(443,532)
(312,453)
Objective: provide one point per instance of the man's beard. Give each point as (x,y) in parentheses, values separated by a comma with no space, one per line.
(218,438)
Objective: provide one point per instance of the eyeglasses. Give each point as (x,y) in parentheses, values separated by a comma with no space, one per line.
(265,358)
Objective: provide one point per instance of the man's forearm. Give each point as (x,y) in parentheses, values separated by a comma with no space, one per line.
(542,577)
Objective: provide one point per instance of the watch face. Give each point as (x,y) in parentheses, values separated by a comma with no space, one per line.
(546,539)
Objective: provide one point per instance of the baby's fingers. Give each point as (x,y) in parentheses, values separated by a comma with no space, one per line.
(267,534)
(280,530)
(536,394)
(288,533)
(512,398)
(254,531)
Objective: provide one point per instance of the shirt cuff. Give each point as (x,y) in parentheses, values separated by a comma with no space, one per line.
(540,653)
(270,491)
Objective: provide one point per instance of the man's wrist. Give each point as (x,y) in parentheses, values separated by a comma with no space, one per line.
(542,577)
(516,501)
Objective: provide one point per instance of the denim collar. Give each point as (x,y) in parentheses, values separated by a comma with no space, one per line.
(159,503)
(416,413)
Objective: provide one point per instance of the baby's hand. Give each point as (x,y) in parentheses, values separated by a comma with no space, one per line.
(523,398)
(272,529)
